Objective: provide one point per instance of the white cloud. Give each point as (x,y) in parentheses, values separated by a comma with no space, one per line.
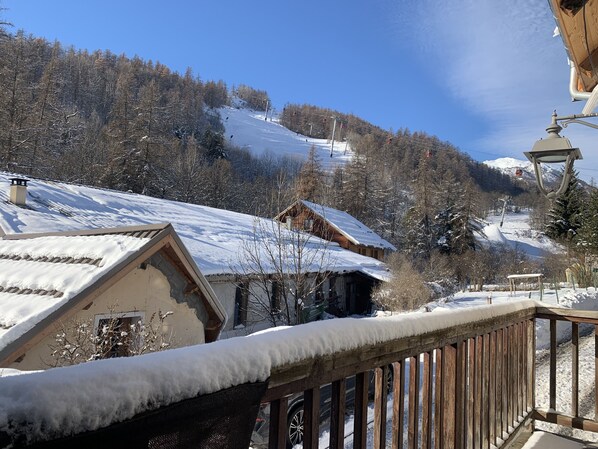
(501,61)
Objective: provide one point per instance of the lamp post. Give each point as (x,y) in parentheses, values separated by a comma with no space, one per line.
(555,149)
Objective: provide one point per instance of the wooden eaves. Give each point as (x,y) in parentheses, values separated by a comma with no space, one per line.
(578,24)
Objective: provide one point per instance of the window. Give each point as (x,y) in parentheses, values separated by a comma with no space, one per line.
(117,335)
(332,289)
(308,224)
(241,300)
(275,296)
(319,293)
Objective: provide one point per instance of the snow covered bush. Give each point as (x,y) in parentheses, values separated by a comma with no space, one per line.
(77,341)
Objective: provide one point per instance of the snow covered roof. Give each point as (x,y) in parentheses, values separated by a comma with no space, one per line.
(43,275)
(347,225)
(213,237)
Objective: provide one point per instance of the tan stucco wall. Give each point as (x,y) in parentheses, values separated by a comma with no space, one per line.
(143,290)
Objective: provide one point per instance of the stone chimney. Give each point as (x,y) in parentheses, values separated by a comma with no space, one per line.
(18,191)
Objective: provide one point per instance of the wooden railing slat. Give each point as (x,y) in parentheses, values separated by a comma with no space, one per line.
(522,370)
(471,353)
(380,400)
(520,377)
(449,371)
(337,414)
(531,367)
(499,383)
(505,381)
(575,369)
(477,411)
(485,432)
(278,423)
(438,399)
(553,347)
(361,411)
(512,377)
(398,405)
(426,430)
(492,389)
(524,367)
(311,416)
(596,372)
(461,400)
(413,419)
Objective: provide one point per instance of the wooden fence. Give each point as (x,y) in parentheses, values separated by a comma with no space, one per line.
(468,386)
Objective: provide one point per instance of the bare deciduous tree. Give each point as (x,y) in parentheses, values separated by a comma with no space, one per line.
(287,268)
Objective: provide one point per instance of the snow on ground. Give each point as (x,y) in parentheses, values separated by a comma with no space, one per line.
(517,233)
(248,129)
(545,440)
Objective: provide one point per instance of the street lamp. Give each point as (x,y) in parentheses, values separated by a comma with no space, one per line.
(555,149)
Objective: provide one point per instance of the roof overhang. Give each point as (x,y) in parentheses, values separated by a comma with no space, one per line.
(578,24)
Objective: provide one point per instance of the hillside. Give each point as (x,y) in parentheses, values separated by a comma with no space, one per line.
(248,129)
(123,123)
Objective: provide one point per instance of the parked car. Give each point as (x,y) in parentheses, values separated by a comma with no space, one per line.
(295,419)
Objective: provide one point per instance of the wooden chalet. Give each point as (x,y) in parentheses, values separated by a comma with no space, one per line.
(336,226)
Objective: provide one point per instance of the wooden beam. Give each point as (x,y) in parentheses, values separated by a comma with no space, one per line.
(398,404)
(337,414)
(360,426)
(380,401)
(565,420)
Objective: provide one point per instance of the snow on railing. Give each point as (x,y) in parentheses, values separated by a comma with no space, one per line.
(71,400)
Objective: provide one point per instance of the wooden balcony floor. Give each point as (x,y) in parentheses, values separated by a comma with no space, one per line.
(545,440)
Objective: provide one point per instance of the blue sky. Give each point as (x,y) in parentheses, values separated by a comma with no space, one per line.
(482,74)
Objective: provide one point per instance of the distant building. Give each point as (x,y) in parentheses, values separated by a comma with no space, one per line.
(336,226)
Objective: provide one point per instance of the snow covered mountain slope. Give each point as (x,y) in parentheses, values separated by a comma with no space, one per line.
(248,129)
(517,233)
(524,170)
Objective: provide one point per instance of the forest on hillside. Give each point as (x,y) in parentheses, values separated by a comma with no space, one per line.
(111,121)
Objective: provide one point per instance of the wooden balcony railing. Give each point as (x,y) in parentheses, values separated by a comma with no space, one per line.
(556,413)
(467,383)
(469,386)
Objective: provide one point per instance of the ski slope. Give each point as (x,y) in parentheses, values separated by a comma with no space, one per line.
(250,130)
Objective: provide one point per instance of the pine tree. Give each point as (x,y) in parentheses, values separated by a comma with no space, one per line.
(588,232)
(565,215)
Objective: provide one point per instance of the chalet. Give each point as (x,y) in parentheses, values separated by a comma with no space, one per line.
(90,278)
(214,238)
(336,226)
